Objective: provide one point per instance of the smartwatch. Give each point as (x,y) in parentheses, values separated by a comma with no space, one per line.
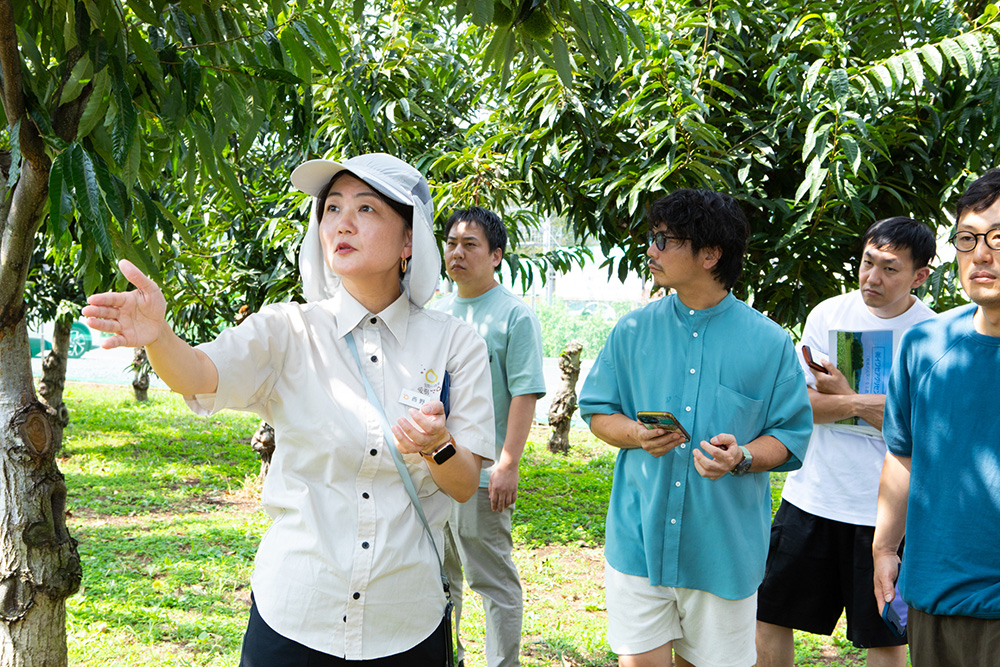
(743,467)
(443,452)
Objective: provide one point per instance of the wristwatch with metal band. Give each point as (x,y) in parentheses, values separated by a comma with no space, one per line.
(443,452)
(743,467)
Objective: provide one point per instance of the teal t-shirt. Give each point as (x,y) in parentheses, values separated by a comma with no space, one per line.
(940,412)
(725,369)
(514,343)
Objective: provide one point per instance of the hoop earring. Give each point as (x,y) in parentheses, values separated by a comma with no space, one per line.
(402,265)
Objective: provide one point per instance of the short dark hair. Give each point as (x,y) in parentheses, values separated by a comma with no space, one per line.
(707,219)
(405,211)
(900,232)
(979,196)
(491,224)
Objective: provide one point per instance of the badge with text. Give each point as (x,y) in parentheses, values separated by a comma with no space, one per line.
(413,398)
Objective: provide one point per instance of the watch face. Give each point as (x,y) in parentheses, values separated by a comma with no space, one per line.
(444,453)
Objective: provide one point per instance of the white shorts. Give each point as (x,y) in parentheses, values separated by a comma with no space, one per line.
(706,630)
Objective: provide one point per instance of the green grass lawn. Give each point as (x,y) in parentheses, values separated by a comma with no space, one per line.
(165,506)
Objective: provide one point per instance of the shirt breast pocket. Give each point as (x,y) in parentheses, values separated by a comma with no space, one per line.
(738,414)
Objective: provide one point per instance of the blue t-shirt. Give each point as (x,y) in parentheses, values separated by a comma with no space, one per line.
(514,343)
(725,369)
(941,412)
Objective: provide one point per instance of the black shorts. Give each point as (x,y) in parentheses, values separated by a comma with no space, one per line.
(816,569)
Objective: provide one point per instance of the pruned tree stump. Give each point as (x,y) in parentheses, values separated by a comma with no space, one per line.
(564,402)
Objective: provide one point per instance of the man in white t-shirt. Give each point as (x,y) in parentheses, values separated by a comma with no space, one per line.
(820,559)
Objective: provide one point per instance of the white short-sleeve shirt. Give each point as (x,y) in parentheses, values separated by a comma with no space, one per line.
(346,567)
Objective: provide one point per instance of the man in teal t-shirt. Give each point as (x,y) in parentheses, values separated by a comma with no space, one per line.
(689,517)
(941,477)
(477,537)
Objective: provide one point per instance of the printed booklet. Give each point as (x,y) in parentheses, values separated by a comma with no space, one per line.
(865,359)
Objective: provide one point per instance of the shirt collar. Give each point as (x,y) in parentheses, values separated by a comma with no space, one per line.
(350,314)
(690,314)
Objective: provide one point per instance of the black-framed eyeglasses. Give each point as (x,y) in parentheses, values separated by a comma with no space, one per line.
(967,241)
(660,239)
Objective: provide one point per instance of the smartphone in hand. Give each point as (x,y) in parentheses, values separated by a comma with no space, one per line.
(894,614)
(807,355)
(664,420)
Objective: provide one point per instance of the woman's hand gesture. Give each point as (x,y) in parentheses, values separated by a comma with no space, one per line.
(136,318)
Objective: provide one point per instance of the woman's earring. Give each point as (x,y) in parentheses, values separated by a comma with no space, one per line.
(402,265)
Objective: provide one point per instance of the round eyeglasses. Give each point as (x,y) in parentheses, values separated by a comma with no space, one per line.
(660,239)
(967,241)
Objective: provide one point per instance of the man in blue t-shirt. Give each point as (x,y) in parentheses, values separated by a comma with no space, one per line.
(477,537)
(940,481)
(690,510)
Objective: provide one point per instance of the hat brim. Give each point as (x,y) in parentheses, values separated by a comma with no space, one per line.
(312,176)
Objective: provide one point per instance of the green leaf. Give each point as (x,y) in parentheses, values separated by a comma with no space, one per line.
(279,75)
(123,125)
(813,74)
(93,216)
(78,78)
(97,104)
(914,68)
(30,50)
(191,79)
(851,151)
(883,78)
(60,195)
(973,51)
(115,193)
(560,54)
(147,58)
(482,12)
(232,183)
(956,54)
(933,58)
(839,84)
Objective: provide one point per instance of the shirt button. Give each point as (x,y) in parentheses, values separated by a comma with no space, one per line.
(672,521)
(364,545)
(690,312)
(373,452)
(677,483)
(687,409)
(695,334)
(375,360)
(683,446)
(345,619)
(365,495)
(692,371)
(356,596)
(373,321)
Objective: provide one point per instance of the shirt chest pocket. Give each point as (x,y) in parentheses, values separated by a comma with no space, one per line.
(738,414)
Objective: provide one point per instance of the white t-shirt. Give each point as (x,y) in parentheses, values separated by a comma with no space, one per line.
(840,475)
(346,567)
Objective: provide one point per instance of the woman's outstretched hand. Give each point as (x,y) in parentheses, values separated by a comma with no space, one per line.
(136,317)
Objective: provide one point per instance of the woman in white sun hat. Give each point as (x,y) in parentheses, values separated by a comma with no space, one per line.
(346,571)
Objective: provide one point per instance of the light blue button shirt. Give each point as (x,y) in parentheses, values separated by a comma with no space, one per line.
(725,369)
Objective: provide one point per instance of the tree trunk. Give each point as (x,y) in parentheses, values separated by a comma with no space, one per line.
(140,374)
(263,443)
(564,402)
(39,563)
(54,371)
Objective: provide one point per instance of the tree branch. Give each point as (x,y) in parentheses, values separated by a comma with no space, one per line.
(12,95)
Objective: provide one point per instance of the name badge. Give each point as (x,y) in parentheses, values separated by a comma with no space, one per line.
(412,398)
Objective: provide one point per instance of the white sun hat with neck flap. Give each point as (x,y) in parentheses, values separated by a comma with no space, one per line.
(396,180)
